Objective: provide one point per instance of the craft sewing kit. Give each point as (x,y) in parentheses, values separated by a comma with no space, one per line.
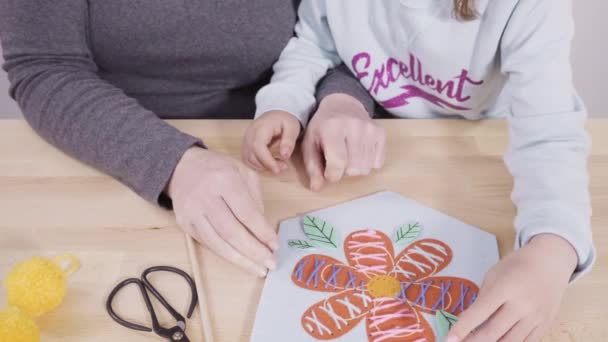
(381,268)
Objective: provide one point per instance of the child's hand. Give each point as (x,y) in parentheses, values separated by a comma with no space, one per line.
(341,139)
(521,295)
(264,132)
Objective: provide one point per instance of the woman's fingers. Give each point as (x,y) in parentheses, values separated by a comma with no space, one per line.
(336,156)
(252,181)
(206,235)
(505,318)
(380,148)
(536,334)
(242,205)
(313,162)
(238,236)
(355,152)
(484,307)
(201,183)
(358,153)
(362,145)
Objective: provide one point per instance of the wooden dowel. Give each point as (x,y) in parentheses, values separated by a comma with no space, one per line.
(202,296)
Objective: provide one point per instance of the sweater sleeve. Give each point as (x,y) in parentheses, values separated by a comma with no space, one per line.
(549,145)
(340,80)
(55,82)
(304,61)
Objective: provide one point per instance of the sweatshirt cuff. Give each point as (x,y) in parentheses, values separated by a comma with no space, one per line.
(340,80)
(279,97)
(566,228)
(166,157)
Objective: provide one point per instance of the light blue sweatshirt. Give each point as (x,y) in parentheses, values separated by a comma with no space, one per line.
(418,61)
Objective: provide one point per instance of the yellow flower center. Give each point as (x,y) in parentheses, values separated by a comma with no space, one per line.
(383,286)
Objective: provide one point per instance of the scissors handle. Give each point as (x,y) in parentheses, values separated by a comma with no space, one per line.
(175,334)
(120,320)
(161,299)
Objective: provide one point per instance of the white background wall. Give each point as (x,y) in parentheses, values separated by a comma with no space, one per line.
(589,56)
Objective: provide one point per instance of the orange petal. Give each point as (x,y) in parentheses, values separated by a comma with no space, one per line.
(421,259)
(369,251)
(392,320)
(450,294)
(325,274)
(337,315)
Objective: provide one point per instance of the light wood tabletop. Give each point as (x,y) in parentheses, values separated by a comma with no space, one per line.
(51,204)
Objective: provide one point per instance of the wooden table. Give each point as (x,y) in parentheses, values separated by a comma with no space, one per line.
(51,204)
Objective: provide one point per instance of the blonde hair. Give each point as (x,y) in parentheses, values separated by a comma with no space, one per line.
(465,9)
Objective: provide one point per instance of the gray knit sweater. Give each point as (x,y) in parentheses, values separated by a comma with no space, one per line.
(95,77)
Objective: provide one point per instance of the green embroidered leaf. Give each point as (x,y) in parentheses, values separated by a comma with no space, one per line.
(300,244)
(444,322)
(319,232)
(407,233)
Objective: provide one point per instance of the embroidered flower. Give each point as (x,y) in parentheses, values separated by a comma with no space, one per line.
(389,292)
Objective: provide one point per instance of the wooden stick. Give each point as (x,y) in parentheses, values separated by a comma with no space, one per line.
(202,297)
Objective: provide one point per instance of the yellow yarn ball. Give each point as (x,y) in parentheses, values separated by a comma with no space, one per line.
(15,326)
(35,286)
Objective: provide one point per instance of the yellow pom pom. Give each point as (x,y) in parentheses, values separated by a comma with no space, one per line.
(15,326)
(35,286)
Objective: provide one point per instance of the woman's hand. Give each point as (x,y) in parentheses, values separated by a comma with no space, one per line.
(263,133)
(521,295)
(218,201)
(341,139)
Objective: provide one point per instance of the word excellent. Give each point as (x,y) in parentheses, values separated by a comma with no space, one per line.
(393,70)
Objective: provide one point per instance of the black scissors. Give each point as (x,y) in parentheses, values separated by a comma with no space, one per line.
(175,334)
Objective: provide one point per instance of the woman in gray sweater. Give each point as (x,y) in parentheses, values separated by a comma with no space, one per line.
(95,78)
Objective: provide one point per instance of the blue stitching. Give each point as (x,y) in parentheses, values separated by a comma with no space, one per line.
(424,288)
(404,288)
(300,270)
(335,270)
(463,294)
(444,291)
(315,272)
(351,280)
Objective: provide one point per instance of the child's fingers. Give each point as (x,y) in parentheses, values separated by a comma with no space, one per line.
(261,149)
(313,162)
(482,309)
(265,157)
(283,166)
(255,149)
(252,161)
(289,135)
